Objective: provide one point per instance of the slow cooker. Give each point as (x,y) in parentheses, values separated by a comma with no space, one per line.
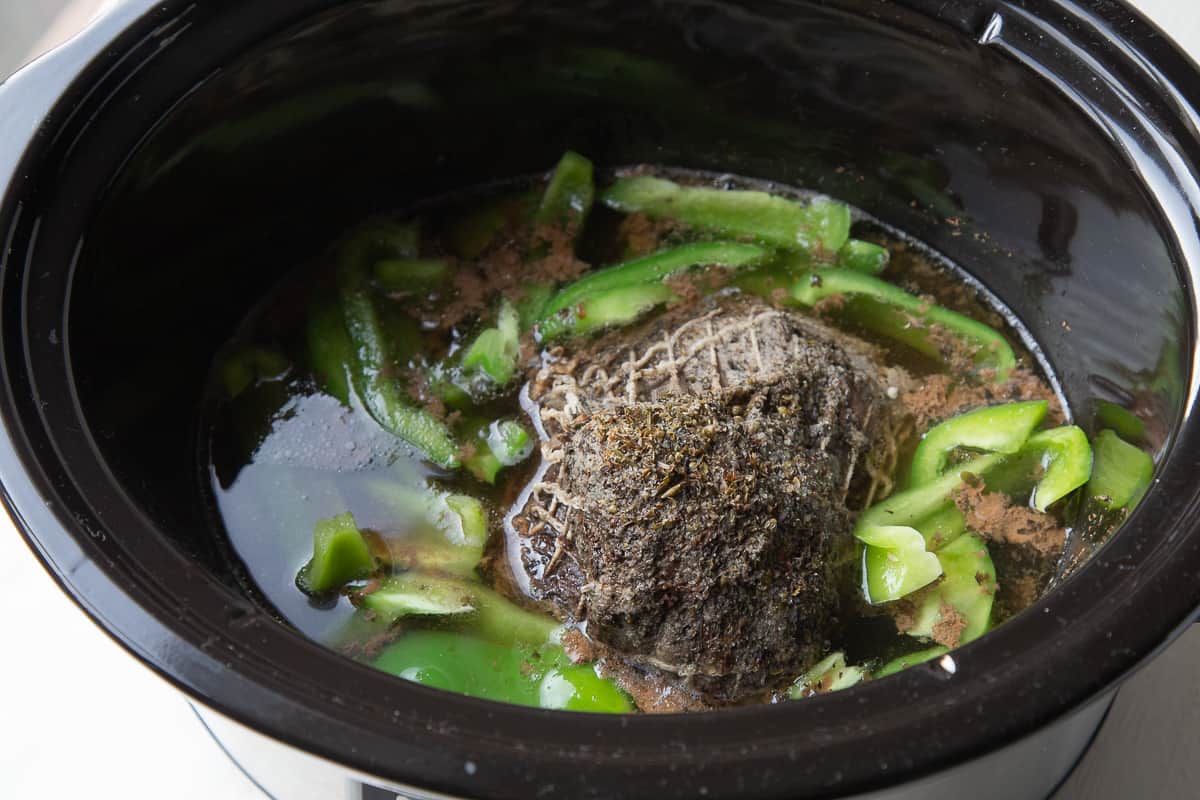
(162,169)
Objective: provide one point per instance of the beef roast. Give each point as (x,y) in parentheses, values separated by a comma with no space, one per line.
(693,505)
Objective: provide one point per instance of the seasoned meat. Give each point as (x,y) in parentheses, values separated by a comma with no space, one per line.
(693,505)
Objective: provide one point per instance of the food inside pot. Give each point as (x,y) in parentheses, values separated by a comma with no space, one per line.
(660,441)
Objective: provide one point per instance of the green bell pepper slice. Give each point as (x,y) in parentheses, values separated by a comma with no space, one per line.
(992,350)
(1066,460)
(996,429)
(968,586)
(910,660)
(419,594)
(653,269)
(569,193)
(898,564)
(612,308)
(447,532)
(896,561)
(496,351)
(623,292)
(373,365)
(541,677)
(773,280)
(531,302)
(488,613)
(1121,472)
(865,257)
(1048,467)
(830,674)
(1120,420)
(426,550)
(498,444)
(942,527)
(330,353)
(509,442)
(819,226)
(340,555)
(460,518)
(909,507)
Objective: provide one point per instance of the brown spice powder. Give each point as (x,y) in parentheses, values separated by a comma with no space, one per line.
(948,629)
(996,518)
(938,397)
(517,258)
(643,235)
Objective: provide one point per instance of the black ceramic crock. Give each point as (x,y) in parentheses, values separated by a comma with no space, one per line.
(168,164)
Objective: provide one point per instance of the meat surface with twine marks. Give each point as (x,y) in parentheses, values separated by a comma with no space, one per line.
(694,499)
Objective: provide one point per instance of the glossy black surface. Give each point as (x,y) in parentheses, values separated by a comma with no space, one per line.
(1047,148)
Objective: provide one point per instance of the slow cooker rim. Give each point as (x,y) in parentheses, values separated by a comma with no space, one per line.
(23,506)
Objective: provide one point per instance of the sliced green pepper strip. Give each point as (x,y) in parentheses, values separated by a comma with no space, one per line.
(427,551)
(373,364)
(899,565)
(495,351)
(340,555)
(774,279)
(569,193)
(1047,468)
(996,429)
(491,615)
(510,442)
(654,268)
(541,677)
(910,660)
(248,366)
(942,527)
(865,257)
(602,288)
(913,505)
(329,350)
(445,532)
(968,586)
(1121,420)
(992,350)
(1121,472)
(895,562)
(819,226)
(472,521)
(416,594)
(831,674)
(498,444)
(482,462)
(412,274)
(611,308)
(531,304)
(1066,458)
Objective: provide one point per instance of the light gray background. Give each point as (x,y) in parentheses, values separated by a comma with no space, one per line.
(79,718)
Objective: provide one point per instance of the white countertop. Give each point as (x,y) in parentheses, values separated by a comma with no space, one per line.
(81,718)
